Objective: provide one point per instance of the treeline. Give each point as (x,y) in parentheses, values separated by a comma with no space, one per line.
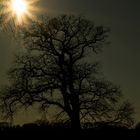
(63,130)
(59,126)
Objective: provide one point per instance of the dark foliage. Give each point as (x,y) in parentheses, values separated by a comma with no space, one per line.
(57,131)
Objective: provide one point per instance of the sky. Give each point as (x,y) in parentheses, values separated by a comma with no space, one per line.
(120,60)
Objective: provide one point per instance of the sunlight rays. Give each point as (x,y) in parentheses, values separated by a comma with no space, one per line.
(18,11)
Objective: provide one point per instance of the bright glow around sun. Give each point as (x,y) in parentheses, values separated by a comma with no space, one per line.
(19,11)
(19,7)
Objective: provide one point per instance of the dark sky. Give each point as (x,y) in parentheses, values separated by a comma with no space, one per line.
(120,60)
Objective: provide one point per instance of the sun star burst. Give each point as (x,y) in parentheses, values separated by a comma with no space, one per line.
(19,7)
(19,11)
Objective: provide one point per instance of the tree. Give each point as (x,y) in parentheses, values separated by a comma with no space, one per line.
(54,71)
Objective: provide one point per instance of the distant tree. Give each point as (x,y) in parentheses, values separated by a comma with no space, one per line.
(137,126)
(56,70)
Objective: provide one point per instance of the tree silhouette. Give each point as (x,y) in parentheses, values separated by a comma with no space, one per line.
(54,70)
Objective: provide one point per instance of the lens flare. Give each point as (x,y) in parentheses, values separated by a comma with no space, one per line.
(19,7)
(19,11)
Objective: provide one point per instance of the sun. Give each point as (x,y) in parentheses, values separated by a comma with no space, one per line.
(19,11)
(19,7)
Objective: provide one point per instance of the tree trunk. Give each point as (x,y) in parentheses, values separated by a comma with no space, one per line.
(75,121)
(75,115)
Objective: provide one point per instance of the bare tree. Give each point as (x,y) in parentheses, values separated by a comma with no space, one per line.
(54,71)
